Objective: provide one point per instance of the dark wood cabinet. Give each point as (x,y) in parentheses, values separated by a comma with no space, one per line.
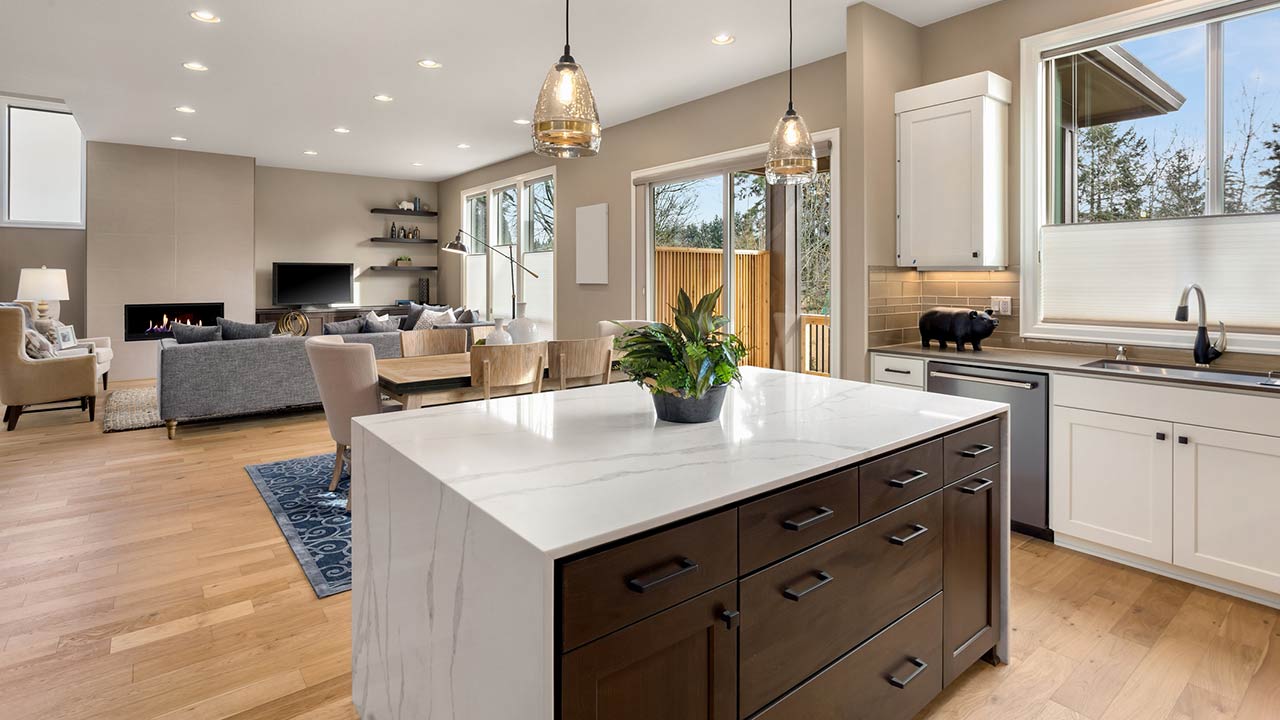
(774,527)
(971,572)
(896,480)
(681,663)
(972,449)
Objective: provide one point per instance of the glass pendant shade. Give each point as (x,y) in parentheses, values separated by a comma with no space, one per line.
(792,159)
(565,122)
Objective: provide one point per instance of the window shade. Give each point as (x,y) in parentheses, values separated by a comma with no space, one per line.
(1132,273)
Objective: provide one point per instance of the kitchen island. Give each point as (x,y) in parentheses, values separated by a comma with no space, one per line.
(828,549)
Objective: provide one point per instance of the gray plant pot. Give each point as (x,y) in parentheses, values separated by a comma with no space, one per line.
(689,410)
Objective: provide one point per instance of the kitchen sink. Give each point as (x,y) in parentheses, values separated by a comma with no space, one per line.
(1237,378)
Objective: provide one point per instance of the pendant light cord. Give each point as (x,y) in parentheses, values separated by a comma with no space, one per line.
(566,29)
(791,51)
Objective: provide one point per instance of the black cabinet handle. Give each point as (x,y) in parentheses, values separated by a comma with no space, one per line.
(977,450)
(730,618)
(915,475)
(641,585)
(917,531)
(1160,436)
(896,371)
(1183,440)
(823,579)
(983,484)
(920,667)
(821,513)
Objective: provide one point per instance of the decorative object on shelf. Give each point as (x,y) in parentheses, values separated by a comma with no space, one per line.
(404,261)
(417,203)
(522,329)
(293,323)
(958,325)
(424,290)
(687,367)
(406,205)
(499,336)
(40,285)
(393,229)
(457,246)
(792,159)
(66,337)
(565,121)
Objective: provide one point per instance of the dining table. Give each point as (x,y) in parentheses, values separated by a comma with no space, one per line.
(427,380)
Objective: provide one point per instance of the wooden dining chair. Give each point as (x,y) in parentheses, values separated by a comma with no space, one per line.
(505,366)
(433,341)
(580,359)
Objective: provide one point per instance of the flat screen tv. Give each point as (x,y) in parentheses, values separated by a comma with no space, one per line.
(311,283)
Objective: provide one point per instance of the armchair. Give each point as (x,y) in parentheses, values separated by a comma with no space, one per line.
(25,382)
(98,347)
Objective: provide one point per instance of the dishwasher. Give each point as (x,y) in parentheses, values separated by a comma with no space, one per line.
(1027,394)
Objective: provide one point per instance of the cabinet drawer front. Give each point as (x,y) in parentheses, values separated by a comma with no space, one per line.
(897,370)
(614,588)
(806,611)
(971,450)
(971,574)
(896,480)
(865,684)
(781,524)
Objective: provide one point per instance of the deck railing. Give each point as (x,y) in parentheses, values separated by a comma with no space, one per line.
(701,270)
(815,344)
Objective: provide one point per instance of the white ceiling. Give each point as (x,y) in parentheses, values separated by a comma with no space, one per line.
(284,73)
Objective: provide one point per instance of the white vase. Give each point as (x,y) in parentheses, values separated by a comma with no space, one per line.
(522,329)
(499,336)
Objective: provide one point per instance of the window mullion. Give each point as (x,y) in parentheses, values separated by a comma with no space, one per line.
(1215,200)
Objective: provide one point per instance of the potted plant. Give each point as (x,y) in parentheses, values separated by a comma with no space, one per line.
(687,367)
(404,261)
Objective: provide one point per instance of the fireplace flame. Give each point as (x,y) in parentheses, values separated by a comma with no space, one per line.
(166,324)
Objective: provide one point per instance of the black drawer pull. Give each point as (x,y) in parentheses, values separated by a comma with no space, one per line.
(822,513)
(983,484)
(915,475)
(977,450)
(730,618)
(1183,440)
(1160,436)
(823,579)
(917,531)
(686,566)
(920,667)
(896,371)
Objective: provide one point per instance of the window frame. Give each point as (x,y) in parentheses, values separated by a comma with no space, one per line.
(1036,163)
(7,103)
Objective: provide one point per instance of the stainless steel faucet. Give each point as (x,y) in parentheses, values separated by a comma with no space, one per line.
(1203,352)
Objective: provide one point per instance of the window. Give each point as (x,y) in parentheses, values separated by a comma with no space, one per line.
(1251,113)
(540,231)
(43,183)
(476,220)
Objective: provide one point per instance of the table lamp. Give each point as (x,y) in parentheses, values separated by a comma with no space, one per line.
(40,285)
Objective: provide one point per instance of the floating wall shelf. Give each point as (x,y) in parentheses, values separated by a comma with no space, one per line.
(402,268)
(405,241)
(398,211)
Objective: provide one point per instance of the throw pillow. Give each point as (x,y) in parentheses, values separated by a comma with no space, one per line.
(375,323)
(48,328)
(466,316)
(343,327)
(38,346)
(187,334)
(232,330)
(431,318)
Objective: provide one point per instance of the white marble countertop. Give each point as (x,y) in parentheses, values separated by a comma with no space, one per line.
(570,470)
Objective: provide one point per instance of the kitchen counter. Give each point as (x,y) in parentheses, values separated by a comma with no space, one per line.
(464,513)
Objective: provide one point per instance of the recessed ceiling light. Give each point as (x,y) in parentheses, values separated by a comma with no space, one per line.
(521,121)
(430,64)
(195,66)
(185,109)
(463,146)
(383,98)
(178,138)
(310,152)
(341,130)
(416,164)
(723,39)
(205,16)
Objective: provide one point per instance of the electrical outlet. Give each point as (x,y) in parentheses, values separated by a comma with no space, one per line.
(1002,304)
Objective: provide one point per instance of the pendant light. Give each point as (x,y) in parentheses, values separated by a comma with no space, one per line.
(565,122)
(792,160)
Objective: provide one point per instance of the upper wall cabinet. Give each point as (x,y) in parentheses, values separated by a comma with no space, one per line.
(953,140)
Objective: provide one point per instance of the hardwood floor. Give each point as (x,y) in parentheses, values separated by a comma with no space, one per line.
(144,578)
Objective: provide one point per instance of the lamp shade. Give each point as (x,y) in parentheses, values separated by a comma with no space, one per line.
(792,159)
(42,283)
(565,121)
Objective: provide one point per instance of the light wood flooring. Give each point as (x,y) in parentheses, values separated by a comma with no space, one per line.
(144,578)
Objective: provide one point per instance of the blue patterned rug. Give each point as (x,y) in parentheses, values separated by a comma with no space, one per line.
(313,520)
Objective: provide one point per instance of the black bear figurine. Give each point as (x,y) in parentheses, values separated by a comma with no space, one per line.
(959,325)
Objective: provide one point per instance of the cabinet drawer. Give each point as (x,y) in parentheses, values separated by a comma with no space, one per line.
(897,370)
(971,450)
(892,677)
(806,611)
(781,524)
(896,480)
(614,588)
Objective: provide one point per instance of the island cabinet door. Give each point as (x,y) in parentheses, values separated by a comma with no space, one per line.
(971,570)
(678,664)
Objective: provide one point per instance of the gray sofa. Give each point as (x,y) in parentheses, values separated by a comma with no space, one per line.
(201,381)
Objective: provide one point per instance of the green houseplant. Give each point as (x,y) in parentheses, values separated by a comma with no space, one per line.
(687,367)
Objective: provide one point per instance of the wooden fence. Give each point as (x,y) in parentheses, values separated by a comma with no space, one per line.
(701,270)
(815,344)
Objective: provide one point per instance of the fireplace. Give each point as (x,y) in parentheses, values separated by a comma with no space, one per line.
(151,321)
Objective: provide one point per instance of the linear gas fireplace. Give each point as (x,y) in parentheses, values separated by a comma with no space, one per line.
(153,320)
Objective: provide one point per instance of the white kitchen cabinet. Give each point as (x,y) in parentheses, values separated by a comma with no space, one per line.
(1226,490)
(953,140)
(1112,480)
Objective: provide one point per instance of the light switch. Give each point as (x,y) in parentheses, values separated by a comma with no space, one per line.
(1002,304)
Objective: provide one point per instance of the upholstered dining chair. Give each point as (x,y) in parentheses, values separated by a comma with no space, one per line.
(347,377)
(433,341)
(506,366)
(580,359)
(25,382)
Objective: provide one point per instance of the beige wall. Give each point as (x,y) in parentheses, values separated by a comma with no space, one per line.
(33,247)
(164,225)
(304,216)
